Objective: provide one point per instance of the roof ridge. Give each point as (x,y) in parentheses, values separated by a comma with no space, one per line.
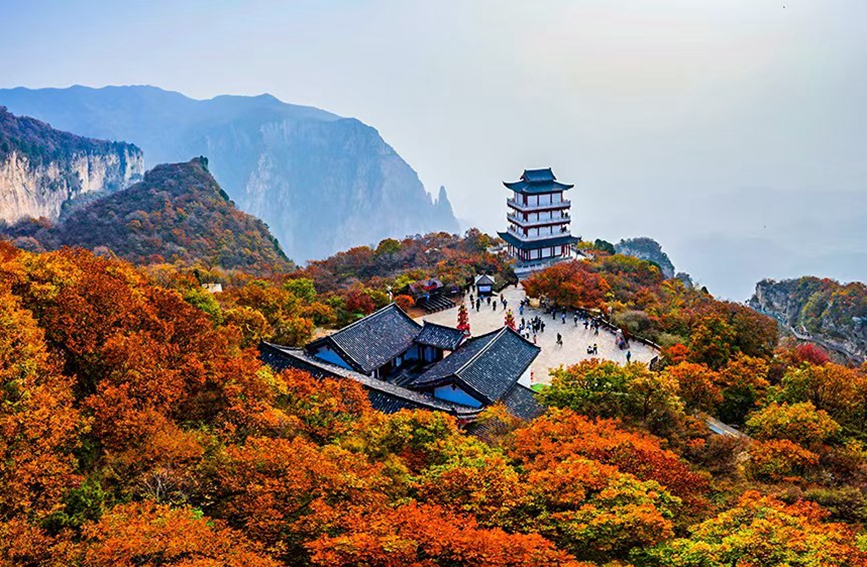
(439,325)
(376,313)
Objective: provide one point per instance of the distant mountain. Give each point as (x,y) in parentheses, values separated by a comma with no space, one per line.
(323,183)
(42,170)
(646,248)
(832,314)
(177,214)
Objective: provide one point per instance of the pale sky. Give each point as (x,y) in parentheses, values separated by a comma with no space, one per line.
(732,131)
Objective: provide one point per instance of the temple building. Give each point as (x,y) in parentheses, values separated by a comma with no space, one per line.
(402,364)
(538,234)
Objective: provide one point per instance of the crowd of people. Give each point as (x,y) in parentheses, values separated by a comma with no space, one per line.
(531,327)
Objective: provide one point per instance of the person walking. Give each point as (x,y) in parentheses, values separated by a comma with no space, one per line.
(575,319)
(628,356)
(563,317)
(559,340)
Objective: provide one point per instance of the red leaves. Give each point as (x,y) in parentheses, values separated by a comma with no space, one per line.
(424,536)
(570,284)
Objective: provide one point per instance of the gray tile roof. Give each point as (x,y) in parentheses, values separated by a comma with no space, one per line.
(537,181)
(384,396)
(521,402)
(372,341)
(488,365)
(533,175)
(439,336)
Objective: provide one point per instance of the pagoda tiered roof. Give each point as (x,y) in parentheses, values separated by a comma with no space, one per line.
(535,181)
(538,242)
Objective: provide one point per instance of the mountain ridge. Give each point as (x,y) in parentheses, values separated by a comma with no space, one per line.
(322,182)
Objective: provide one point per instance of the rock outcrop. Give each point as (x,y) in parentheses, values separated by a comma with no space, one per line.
(819,310)
(43,170)
(323,183)
(645,248)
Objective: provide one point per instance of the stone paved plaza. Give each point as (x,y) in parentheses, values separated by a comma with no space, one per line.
(575,339)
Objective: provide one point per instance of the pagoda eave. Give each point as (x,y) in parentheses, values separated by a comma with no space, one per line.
(540,243)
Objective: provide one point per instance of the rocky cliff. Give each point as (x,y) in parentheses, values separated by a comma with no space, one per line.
(177,214)
(821,310)
(42,170)
(645,248)
(323,183)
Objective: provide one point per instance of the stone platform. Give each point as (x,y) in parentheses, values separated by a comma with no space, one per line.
(575,339)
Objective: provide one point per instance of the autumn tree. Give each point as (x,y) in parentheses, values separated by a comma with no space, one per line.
(744,383)
(39,425)
(562,434)
(422,536)
(598,388)
(697,385)
(800,423)
(405,302)
(147,534)
(833,388)
(762,530)
(569,284)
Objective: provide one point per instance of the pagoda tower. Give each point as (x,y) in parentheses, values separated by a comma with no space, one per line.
(538,234)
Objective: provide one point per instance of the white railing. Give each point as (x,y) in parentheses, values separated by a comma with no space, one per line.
(520,206)
(521,235)
(553,220)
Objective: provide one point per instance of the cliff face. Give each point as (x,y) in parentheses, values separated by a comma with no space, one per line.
(177,214)
(42,170)
(825,311)
(323,183)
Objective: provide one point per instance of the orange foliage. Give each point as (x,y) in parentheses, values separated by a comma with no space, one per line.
(571,284)
(561,434)
(416,535)
(38,423)
(697,385)
(147,534)
(778,459)
(405,302)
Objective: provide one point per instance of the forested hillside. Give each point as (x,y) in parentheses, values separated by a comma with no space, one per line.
(141,428)
(178,214)
(323,183)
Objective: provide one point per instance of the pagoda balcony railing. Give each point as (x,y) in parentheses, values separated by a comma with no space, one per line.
(525,238)
(564,204)
(552,220)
